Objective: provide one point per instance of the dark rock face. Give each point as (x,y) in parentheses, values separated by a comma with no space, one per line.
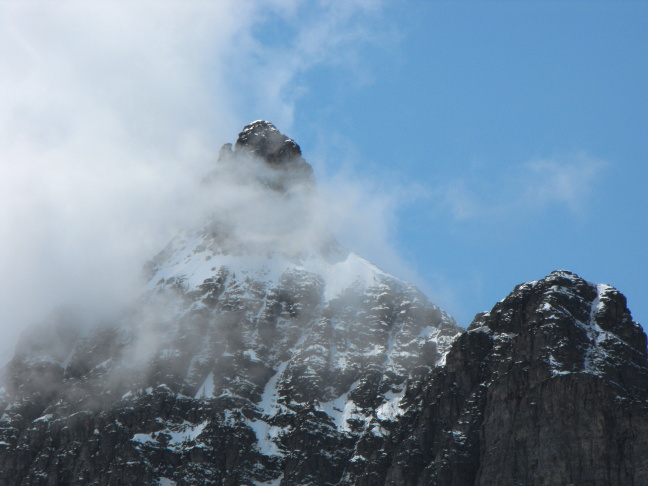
(262,139)
(550,387)
(281,158)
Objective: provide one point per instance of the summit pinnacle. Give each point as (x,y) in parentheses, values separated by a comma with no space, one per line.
(282,162)
(264,140)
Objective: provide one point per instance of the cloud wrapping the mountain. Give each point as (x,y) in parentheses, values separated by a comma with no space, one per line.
(112,114)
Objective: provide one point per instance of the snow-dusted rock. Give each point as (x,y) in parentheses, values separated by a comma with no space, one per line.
(549,387)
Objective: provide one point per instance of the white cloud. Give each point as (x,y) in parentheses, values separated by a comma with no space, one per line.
(531,188)
(562,181)
(113,111)
(312,34)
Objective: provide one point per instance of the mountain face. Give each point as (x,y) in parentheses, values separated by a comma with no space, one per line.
(550,387)
(262,352)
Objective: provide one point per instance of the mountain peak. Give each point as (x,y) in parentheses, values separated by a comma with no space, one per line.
(577,326)
(262,139)
(281,162)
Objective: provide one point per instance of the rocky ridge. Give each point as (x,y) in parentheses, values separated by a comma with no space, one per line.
(549,387)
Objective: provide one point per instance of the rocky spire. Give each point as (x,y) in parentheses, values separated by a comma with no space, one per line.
(262,139)
(283,164)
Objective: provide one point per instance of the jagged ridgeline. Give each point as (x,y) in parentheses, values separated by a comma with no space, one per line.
(262,352)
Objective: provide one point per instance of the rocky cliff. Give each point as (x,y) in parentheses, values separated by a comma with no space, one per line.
(550,387)
(263,352)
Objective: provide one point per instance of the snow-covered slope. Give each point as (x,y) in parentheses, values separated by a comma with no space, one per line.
(193,257)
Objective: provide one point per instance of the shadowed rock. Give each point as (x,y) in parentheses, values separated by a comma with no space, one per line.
(550,387)
(281,165)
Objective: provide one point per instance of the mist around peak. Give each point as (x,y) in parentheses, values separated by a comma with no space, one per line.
(261,197)
(256,199)
(112,116)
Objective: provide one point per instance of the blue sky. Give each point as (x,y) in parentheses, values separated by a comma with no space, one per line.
(522,128)
(465,146)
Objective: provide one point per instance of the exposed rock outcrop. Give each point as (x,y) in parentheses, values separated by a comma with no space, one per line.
(550,387)
(263,152)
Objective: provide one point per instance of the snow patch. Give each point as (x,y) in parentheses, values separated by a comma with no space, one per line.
(143,438)
(555,365)
(186,432)
(484,329)
(598,305)
(342,410)
(191,259)
(269,404)
(68,358)
(429,332)
(178,434)
(266,436)
(391,409)
(206,390)
(274,482)
(44,418)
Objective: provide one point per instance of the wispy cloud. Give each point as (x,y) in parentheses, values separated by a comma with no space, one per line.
(565,182)
(268,64)
(111,114)
(534,187)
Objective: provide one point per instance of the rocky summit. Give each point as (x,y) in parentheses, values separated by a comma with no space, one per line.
(262,352)
(550,387)
(264,153)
